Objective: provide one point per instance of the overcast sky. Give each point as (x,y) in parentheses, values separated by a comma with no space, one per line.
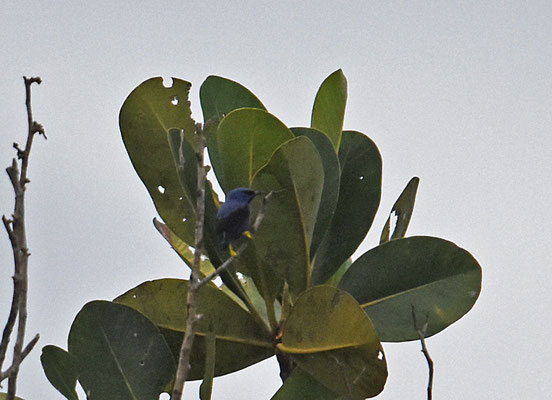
(457,94)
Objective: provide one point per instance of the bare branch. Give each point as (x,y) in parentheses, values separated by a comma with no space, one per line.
(192,302)
(24,354)
(15,227)
(421,334)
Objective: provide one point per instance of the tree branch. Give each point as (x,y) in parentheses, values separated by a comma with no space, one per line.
(192,302)
(15,227)
(421,334)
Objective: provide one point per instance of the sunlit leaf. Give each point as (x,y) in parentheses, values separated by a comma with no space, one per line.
(120,353)
(359,198)
(441,281)
(328,111)
(332,339)
(240,342)
(181,248)
(4,396)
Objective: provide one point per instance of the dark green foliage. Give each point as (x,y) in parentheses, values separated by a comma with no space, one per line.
(301,295)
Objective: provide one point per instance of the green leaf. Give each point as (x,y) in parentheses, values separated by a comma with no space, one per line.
(61,370)
(4,396)
(435,276)
(402,208)
(206,387)
(219,96)
(145,118)
(301,385)
(246,140)
(282,243)
(120,353)
(240,341)
(332,339)
(359,198)
(328,111)
(181,248)
(330,191)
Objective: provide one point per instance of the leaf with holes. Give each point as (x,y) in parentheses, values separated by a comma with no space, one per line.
(240,341)
(328,111)
(120,353)
(246,138)
(61,370)
(402,208)
(145,118)
(332,339)
(219,96)
(359,198)
(432,275)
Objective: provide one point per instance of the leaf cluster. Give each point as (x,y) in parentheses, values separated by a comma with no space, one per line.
(294,292)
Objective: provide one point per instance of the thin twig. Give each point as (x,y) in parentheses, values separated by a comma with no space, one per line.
(15,227)
(24,354)
(421,334)
(193,299)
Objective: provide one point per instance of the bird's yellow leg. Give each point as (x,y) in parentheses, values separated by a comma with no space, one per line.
(247,234)
(232,251)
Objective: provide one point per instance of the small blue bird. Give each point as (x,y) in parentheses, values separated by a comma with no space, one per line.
(233,216)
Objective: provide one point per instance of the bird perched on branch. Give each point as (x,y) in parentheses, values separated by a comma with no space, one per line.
(233,216)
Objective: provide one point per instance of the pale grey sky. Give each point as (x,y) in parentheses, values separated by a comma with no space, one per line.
(457,94)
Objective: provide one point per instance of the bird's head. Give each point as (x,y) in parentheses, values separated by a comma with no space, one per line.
(244,195)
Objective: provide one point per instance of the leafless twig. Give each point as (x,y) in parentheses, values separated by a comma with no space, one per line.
(421,334)
(15,227)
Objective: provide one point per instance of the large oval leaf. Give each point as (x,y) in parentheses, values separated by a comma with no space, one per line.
(328,111)
(246,140)
(359,198)
(119,352)
(332,339)
(145,118)
(330,190)
(437,278)
(282,243)
(240,342)
(219,96)
(61,370)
